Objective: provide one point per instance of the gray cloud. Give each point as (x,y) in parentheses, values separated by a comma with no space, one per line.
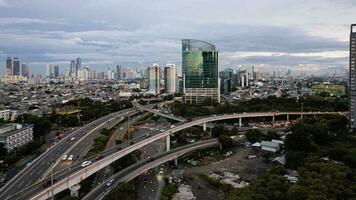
(108,32)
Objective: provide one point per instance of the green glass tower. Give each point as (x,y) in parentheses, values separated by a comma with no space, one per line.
(200,71)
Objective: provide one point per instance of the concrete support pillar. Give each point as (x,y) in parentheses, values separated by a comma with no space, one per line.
(273,118)
(240,122)
(168,142)
(287,118)
(176,161)
(204,127)
(74,190)
(301,116)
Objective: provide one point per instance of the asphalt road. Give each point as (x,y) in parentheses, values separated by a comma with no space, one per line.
(39,166)
(134,170)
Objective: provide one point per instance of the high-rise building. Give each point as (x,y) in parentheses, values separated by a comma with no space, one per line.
(352,71)
(226,77)
(25,70)
(154,79)
(120,72)
(256,75)
(78,66)
(16,66)
(56,71)
(170,78)
(8,69)
(49,71)
(72,70)
(200,71)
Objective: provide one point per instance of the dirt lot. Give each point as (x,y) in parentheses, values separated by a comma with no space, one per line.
(238,163)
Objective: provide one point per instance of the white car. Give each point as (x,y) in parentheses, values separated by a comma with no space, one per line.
(85,163)
(70,158)
(72,139)
(64,157)
(109,183)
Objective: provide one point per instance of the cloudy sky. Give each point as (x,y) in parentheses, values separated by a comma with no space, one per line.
(303,35)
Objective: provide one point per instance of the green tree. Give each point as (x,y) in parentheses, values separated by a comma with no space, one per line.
(226,141)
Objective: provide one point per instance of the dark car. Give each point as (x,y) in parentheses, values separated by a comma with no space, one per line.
(48,182)
(99,157)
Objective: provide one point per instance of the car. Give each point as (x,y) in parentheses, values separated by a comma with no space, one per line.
(148,135)
(98,157)
(85,163)
(70,158)
(64,157)
(72,138)
(109,183)
(48,182)
(162,130)
(161,172)
(172,126)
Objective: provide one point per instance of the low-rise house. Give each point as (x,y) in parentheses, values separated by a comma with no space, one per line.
(270,146)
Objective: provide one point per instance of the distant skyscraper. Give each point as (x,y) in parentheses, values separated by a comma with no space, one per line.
(120,72)
(170,78)
(56,71)
(25,70)
(8,69)
(16,66)
(72,70)
(352,71)
(154,78)
(78,66)
(200,71)
(256,75)
(49,71)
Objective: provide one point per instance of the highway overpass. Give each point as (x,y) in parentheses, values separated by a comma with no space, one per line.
(135,170)
(38,167)
(76,174)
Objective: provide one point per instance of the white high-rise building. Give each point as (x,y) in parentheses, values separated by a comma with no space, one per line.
(153,73)
(49,71)
(170,78)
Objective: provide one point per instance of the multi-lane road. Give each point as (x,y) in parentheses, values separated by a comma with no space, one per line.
(38,167)
(76,174)
(135,170)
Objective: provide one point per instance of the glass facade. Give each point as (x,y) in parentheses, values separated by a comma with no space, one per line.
(199,64)
(352,92)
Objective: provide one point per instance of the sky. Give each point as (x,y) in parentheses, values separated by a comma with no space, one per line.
(302,35)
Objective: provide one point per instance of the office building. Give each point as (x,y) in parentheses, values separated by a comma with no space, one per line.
(170,78)
(226,81)
(200,71)
(16,66)
(72,71)
(78,66)
(25,70)
(352,71)
(56,71)
(154,79)
(256,75)
(49,71)
(120,72)
(15,136)
(8,69)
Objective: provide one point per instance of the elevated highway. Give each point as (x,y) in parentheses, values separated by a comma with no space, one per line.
(76,174)
(135,170)
(39,167)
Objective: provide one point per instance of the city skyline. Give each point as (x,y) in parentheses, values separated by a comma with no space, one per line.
(302,36)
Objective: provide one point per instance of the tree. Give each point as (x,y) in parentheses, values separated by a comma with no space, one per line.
(254,135)
(226,141)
